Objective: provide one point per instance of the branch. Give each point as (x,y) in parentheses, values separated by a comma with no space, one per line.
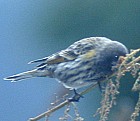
(129,64)
(66,102)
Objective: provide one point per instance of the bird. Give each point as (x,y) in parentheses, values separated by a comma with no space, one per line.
(83,63)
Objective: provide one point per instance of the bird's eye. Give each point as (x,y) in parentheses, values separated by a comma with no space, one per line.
(115,60)
(116,57)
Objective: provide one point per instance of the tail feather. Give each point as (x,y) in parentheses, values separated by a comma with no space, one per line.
(27,74)
(19,76)
(38,60)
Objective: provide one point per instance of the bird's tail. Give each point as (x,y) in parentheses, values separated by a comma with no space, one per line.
(27,74)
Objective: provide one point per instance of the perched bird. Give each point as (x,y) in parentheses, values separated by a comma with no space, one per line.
(83,63)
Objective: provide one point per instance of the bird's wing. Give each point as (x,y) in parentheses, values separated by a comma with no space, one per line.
(83,48)
(62,56)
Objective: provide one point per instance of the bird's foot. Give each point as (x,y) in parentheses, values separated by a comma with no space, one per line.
(76,97)
(101,87)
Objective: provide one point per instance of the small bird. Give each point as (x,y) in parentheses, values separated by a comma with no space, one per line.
(83,63)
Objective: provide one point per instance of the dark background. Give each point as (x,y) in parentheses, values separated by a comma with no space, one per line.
(33,29)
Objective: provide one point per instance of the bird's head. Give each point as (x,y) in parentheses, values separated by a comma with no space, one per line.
(111,54)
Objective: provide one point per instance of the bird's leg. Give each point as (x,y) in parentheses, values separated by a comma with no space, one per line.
(76,97)
(101,88)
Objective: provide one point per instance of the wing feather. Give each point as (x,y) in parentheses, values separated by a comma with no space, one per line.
(80,47)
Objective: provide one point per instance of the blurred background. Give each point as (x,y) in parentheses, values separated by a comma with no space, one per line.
(34,29)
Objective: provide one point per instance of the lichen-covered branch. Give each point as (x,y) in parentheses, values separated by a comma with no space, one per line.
(66,102)
(130,64)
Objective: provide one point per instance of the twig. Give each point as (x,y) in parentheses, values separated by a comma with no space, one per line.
(66,102)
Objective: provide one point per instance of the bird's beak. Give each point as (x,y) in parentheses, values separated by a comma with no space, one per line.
(121,59)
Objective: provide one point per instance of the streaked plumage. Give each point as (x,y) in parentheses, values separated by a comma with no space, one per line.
(83,63)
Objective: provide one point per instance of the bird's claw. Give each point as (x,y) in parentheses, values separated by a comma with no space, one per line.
(76,97)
